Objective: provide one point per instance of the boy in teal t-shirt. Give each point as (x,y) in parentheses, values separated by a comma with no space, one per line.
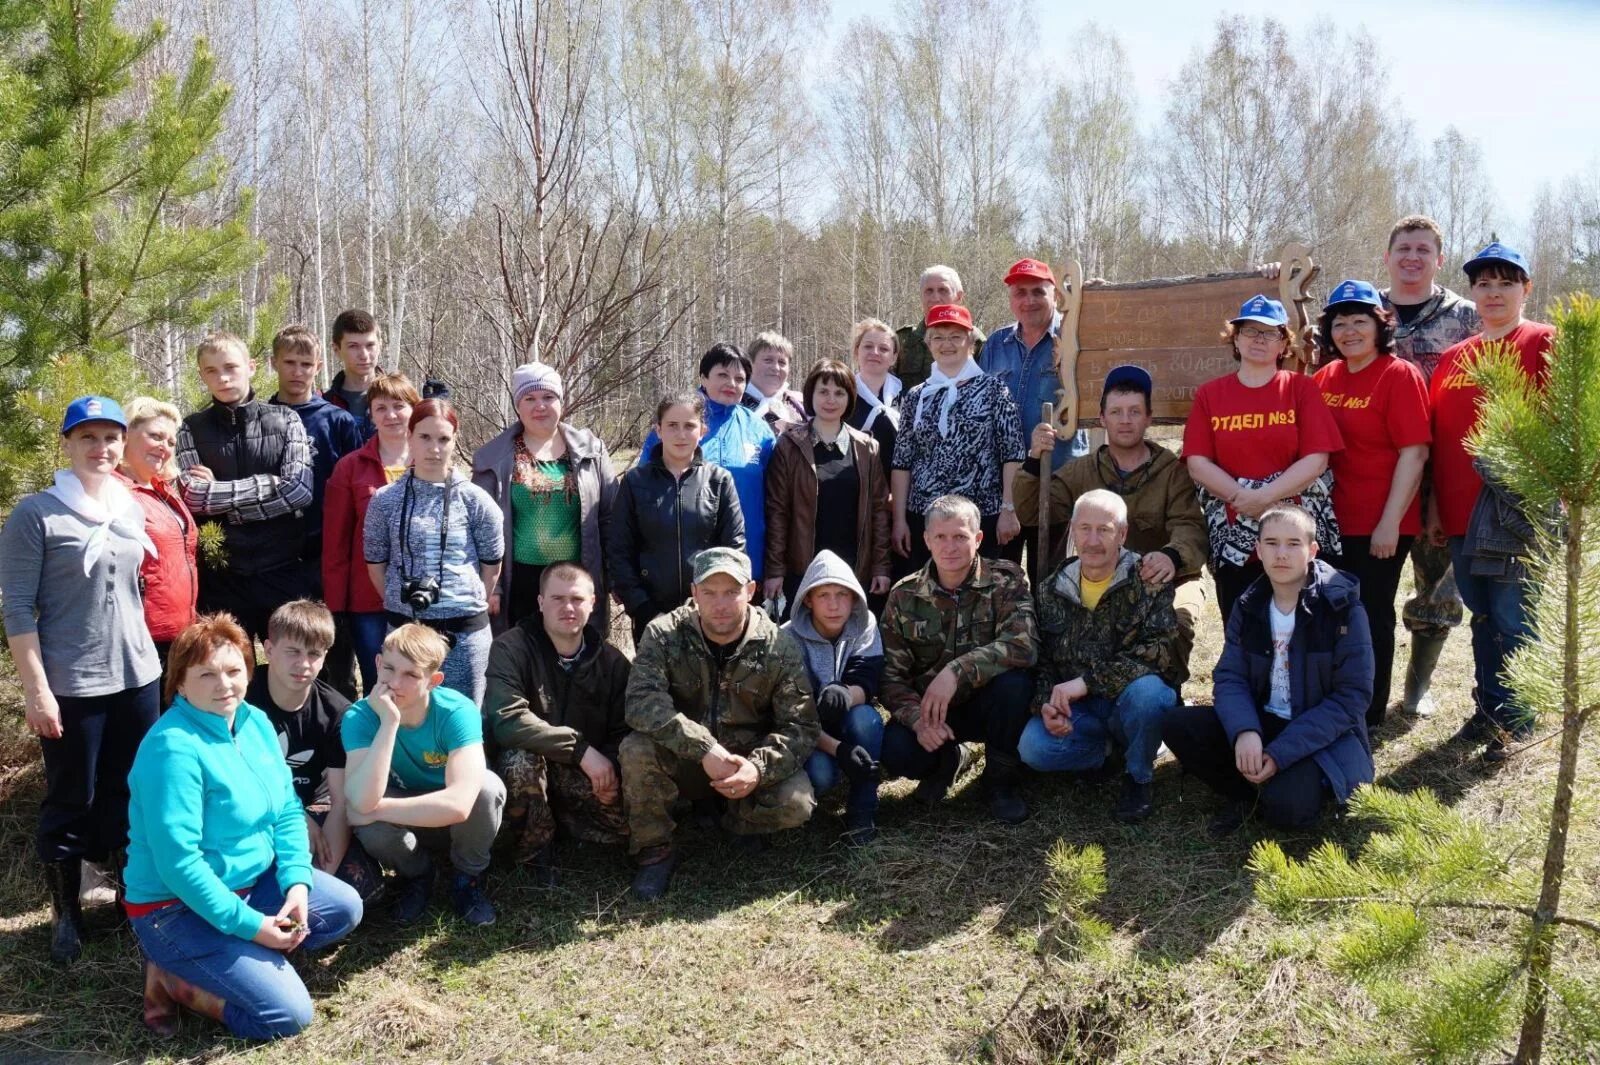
(415,771)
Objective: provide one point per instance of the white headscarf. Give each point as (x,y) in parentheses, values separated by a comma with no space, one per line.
(937,382)
(884,406)
(116,513)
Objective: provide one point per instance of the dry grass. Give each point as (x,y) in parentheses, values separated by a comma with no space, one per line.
(919,950)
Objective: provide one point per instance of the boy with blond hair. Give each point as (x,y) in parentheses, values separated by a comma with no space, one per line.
(416,771)
(246,465)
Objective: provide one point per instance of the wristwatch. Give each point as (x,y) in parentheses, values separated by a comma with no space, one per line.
(1008,508)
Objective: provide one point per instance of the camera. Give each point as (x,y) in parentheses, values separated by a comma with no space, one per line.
(419,592)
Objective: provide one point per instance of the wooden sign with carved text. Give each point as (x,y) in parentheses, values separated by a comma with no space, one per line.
(1171,327)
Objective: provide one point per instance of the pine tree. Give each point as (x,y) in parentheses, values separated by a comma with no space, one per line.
(107,225)
(1428,863)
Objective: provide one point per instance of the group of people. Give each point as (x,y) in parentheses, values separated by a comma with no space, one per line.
(822,584)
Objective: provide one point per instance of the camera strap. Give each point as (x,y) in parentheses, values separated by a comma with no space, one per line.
(407,512)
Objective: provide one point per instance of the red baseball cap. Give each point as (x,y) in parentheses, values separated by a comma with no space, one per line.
(1029,270)
(949,314)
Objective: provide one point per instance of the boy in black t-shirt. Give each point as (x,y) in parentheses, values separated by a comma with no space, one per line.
(306,712)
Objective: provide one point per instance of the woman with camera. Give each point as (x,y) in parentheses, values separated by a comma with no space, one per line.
(434,545)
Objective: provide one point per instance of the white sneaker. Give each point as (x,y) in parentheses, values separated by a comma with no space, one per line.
(1425,706)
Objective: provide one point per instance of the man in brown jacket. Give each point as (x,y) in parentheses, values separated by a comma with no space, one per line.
(1165,525)
(555,702)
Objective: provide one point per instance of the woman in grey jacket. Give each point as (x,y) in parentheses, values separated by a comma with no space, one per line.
(555,486)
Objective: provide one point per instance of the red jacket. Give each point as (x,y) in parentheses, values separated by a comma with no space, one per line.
(169,582)
(356,479)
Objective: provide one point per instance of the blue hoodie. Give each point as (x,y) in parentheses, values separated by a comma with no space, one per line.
(739,441)
(209,811)
(334,434)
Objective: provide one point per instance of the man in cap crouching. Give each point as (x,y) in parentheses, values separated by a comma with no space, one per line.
(721,708)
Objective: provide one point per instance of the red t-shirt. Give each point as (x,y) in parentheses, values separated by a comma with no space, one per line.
(1454,399)
(1257,432)
(1379,410)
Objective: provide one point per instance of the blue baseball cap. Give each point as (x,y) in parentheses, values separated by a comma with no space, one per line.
(1260,309)
(1498,253)
(1128,377)
(92,409)
(1355,292)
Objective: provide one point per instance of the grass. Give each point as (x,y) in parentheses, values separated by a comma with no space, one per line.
(920,949)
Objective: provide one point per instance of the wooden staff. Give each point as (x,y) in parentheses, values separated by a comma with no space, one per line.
(1042,563)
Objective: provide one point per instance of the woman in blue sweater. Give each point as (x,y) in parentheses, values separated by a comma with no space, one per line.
(220,884)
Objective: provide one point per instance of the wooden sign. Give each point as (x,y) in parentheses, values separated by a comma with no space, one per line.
(1171,327)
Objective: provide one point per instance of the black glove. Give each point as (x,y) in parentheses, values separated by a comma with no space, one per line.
(833,703)
(857,763)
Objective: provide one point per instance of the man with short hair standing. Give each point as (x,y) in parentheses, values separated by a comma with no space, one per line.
(939,286)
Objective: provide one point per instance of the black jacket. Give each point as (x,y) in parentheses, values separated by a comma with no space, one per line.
(659,522)
(245,441)
(533,704)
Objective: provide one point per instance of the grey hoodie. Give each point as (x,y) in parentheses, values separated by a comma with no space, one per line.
(856,657)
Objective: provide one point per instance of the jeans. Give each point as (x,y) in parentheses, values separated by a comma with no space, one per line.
(265,996)
(84,813)
(1133,722)
(1231,582)
(993,715)
(400,846)
(1499,627)
(367,631)
(1380,582)
(863,727)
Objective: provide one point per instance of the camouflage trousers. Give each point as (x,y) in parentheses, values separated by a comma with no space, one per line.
(1435,606)
(1189,603)
(542,795)
(653,778)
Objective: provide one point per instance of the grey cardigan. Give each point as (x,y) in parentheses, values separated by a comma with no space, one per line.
(92,633)
(597,489)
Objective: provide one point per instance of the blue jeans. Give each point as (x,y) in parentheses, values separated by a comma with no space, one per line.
(1499,627)
(993,715)
(264,995)
(1133,722)
(367,631)
(862,726)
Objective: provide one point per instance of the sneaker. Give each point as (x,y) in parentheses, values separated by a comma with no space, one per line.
(1136,802)
(411,897)
(1006,806)
(953,759)
(1228,820)
(860,829)
(655,873)
(471,904)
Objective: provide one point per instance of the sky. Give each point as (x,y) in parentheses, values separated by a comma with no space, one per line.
(1537,116)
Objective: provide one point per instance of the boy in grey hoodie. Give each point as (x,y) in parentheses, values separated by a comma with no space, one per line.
(838,638)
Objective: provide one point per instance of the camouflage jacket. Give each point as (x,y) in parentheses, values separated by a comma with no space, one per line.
(980,630)
(1444,321)
(758,705)
(1126,636)
(916,361)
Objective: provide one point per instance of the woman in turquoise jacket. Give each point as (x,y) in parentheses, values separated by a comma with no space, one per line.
(220,884)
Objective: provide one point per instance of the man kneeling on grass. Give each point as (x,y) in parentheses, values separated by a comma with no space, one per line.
(721,709)
(415,769)
(556,700)
(1289,727)
(1108,667)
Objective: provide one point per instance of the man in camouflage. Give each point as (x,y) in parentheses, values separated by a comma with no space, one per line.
(939,285)
(958,638)
(1107,669)
(721,708)
(554,700)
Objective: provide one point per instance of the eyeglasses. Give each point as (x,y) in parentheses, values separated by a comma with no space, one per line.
(1251,332)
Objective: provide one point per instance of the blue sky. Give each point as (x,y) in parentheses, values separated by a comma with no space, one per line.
(1538,119)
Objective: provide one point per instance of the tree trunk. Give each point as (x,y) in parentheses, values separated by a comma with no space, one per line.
(1530,1046)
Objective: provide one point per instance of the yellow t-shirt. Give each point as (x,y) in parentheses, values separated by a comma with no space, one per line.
(393,473)
(1091,591)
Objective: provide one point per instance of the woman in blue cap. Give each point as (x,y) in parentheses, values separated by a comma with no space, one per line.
(69,572)
(1381,405)
(1255,437)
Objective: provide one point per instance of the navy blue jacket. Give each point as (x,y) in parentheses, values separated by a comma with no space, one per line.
(334,434)
(1330,677)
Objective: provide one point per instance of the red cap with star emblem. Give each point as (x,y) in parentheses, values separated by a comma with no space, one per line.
(1029,270)
(949,314)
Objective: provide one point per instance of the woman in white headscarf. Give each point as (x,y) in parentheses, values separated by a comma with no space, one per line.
(70,558)
(960,434)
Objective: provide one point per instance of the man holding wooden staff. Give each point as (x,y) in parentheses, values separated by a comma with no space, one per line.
(1165,525)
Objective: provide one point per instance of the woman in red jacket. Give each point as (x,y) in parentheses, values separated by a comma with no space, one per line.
(357,477)
(167,581)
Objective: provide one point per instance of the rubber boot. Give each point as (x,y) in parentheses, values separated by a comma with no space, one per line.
(66,912)
(1425,651)
(164,993)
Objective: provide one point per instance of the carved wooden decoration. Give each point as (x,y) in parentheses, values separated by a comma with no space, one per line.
(1171,327)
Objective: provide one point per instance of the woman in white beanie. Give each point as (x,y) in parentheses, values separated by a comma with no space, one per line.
(555,485)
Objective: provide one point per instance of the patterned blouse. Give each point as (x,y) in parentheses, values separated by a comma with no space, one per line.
(985,433)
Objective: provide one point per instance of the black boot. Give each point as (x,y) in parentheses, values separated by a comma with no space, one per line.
(66,914)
